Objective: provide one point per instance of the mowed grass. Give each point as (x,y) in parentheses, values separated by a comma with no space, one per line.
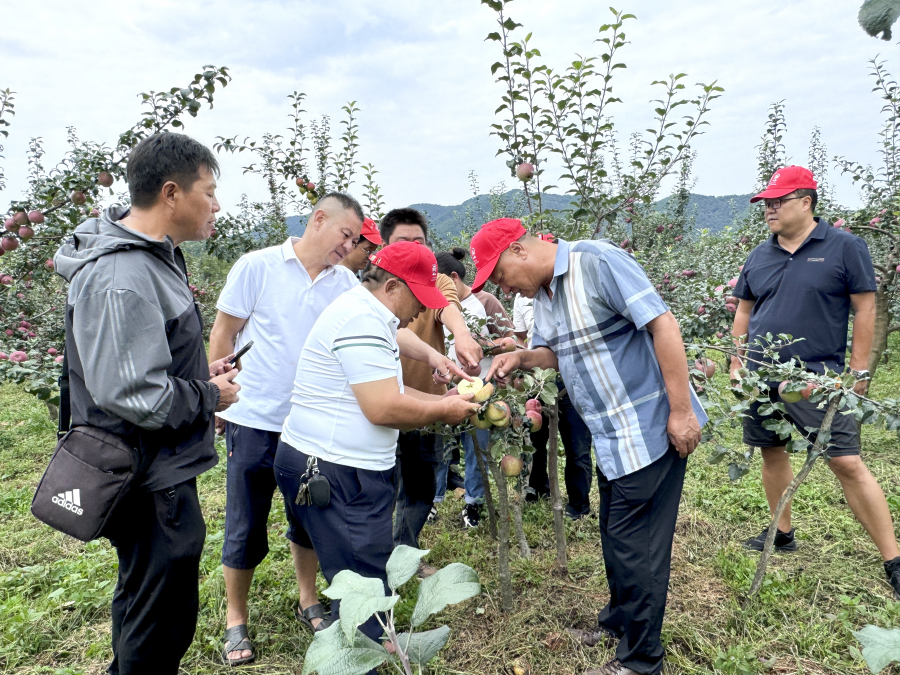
(55,592)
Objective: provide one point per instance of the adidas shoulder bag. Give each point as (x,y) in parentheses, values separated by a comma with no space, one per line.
(90,472)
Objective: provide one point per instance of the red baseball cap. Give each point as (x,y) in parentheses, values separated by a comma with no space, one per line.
(370,231)
(785,181)
(549,236)
(489,242)
(417,266)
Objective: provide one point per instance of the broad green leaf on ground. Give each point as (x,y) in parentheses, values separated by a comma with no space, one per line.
(331,654)
(346,582)
(423,646)
(356,609)
(455,583)
(880,646)
(403,564)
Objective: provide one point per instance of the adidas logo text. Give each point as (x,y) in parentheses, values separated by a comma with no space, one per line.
(69,500)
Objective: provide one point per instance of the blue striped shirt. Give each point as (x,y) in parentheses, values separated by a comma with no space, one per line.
(595,324)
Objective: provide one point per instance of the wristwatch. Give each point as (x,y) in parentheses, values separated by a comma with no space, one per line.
(860,374)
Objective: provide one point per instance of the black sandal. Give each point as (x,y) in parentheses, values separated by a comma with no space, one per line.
(237,639)
(316,611)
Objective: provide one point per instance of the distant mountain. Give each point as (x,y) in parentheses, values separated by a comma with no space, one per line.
(713,213)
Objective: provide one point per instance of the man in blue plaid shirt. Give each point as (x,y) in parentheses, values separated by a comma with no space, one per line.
(599,321)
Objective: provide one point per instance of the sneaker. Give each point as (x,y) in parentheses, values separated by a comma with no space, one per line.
(614,667)
(892,571)
(433,514)
(784,541)
(471,516)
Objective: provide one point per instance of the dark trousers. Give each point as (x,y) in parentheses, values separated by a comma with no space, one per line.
(249,487)
(576,438)
(418,458)
(158,537)
(637,525)
(354,531)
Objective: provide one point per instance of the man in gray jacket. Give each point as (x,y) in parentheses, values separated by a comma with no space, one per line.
(138,369)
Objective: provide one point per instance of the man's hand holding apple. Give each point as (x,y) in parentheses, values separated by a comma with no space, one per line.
(458,408)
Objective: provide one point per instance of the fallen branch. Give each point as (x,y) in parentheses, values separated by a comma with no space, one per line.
(817,450)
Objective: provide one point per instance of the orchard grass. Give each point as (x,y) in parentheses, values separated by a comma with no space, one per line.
(55,592)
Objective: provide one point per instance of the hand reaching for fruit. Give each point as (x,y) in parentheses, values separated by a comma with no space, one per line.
(458,408)
(503,366)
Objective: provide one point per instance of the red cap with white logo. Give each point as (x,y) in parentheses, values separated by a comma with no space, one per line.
(785,181)
(488,243)
(370,231)
(417,266)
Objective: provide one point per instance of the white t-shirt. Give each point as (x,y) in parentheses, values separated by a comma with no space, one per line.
(471,305)
(523,316)
(354,341)
(272,290)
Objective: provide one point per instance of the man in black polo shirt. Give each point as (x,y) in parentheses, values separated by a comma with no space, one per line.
(803,281)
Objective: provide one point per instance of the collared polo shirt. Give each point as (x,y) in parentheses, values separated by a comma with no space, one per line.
(806,293)
(353,342)
(595,324)
(272,290)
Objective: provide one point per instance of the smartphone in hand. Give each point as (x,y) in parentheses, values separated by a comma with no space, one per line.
(243,350)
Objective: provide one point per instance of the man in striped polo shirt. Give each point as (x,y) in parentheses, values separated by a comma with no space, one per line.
(599,321)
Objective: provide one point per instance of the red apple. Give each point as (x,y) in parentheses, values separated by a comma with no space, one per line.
(52,351)
(536,420)
(9,243)
(21,218)
(59,359)
(24,324)
(10,224)
(511,466)
(525,171)
(49,264)
(689,274)
(77,197)
(660,228)
(679,238)
(810,388)
(36,217)
(730,308)
(732,283)
(3,356)
(26,233)
(706,366)
(701,310)
(533,404)
(310,186)
(18,356)
(105,179)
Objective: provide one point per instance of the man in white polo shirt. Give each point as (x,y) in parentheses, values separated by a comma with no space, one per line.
(273,297)
(347,405)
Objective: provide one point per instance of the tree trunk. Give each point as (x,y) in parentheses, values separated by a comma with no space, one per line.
(883,296)
(811,458)
(485,480)
(524,549)
(559,524)
(506,594)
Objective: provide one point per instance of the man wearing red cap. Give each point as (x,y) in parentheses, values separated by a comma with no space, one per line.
(273,297)
(347,405)
(599,321)
(369,241)
(803,281)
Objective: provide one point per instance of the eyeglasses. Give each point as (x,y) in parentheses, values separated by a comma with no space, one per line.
(776,203)
(371,248)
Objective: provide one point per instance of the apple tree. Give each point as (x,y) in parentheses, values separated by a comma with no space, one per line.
(56,201)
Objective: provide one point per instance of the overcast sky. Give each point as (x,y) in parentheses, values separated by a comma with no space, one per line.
(420,72)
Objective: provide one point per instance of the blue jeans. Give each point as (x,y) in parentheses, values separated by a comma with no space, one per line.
(473,482)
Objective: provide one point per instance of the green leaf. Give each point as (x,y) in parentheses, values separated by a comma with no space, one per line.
(454,583)
(356,609)
(346,583)
(880,646)
(403,564)
(331,654)
(424,646)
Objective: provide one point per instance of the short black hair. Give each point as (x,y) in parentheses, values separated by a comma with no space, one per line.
(346,201)
(812,194)
(376,275)
(165,157)
(452,262)
(404,216)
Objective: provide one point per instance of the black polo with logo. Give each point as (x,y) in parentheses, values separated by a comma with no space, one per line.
(807,293)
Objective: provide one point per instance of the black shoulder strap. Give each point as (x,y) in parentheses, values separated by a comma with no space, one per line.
(65,405)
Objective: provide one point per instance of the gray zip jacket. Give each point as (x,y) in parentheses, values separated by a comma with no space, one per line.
(134,345)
